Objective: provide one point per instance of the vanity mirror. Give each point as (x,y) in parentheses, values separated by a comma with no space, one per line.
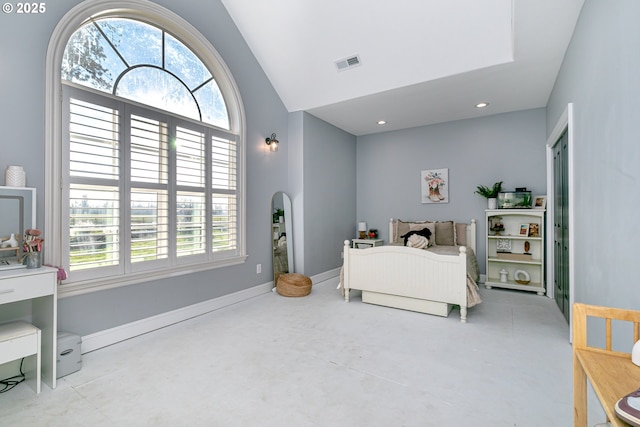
(18,213)
(281,235)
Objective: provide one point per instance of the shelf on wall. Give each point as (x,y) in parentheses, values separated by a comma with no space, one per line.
(510,284)
(515,237)
(513,261)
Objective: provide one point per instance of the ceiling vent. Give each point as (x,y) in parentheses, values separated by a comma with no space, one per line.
(347,63)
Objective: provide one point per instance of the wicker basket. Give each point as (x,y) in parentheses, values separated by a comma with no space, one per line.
(293,285)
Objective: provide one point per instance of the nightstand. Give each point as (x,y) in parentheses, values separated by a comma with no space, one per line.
(366,243)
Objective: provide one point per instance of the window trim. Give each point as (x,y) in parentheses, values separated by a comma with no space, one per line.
(54,131)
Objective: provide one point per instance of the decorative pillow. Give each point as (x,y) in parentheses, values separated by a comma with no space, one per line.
(401,228)
(415,226)
(418,242)
(444,233)
(461,234)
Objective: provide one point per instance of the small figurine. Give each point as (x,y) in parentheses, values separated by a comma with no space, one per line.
(11,242)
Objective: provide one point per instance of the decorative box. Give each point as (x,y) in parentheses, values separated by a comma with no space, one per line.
(514,200)
(69,358)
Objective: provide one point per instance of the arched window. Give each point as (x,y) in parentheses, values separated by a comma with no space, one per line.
(138,61)
(151,150)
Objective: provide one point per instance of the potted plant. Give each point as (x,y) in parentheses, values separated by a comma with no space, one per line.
(278,215)
(490,193)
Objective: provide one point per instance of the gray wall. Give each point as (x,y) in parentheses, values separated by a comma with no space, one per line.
(505,147)
(600,76)
(330,193)
(23,49)
(296,186)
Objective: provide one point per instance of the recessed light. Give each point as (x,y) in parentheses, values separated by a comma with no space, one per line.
(482,104)
(382,122)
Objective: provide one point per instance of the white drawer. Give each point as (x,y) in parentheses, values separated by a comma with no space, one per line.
(25,287)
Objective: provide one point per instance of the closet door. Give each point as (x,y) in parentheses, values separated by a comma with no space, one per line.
(561,224)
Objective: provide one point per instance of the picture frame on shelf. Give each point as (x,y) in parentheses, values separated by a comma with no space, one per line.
(540,202)
(534,229)
(524,230)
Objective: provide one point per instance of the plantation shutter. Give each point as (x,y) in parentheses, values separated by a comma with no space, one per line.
(146,191)
(149,190)
(224,196)
(191,217)
(94,181)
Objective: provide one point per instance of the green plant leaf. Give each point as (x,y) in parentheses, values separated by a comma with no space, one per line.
(489,192)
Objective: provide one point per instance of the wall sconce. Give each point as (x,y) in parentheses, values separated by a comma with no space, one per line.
(272,142)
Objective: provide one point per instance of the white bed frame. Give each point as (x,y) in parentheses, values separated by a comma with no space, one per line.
(409,278)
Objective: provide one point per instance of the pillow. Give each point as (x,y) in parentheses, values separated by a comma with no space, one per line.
(401,228)
(418,242)
(461,234)
(444,233)
(415,226)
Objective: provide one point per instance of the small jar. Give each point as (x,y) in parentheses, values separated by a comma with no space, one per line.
(15,177)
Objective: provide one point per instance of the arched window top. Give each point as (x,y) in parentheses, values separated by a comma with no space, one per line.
(141,62)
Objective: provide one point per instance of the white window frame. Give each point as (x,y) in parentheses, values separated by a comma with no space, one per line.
(55,167)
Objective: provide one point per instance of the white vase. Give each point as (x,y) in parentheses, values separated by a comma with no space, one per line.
(492,203)
(503,275)
(15,177)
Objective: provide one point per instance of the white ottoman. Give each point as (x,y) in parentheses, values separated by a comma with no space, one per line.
(18,340)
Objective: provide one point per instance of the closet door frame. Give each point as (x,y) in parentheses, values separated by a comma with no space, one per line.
(565,123)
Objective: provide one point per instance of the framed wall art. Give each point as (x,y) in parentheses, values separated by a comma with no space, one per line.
(435,185)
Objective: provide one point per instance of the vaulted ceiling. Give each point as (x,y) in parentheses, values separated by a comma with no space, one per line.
(419,62)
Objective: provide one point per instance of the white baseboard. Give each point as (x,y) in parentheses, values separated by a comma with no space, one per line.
(327,275)
(111,336)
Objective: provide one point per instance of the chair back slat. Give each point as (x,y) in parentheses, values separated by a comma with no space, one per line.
(583,311)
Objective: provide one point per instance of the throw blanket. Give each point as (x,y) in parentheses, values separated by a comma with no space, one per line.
(473,297)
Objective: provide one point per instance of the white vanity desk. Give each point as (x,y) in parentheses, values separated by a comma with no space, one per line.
(31,295)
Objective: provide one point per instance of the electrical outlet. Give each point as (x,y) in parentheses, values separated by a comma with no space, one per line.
(258,268)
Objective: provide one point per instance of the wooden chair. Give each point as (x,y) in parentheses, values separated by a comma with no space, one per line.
(611,373)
